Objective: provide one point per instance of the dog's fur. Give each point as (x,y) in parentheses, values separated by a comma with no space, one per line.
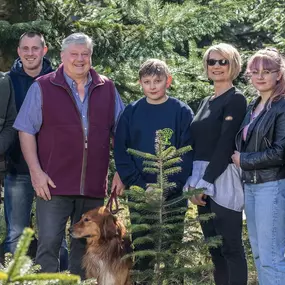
(106,245)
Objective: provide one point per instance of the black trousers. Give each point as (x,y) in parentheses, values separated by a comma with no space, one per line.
(52,217)
(229,259)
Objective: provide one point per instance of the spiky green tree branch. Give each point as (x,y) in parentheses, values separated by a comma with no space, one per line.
(157,215)
(20,269)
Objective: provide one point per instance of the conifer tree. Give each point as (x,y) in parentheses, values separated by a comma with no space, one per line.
(162,220)
(21,270)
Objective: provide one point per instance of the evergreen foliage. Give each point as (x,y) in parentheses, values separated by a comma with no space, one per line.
(163,219)
(126,32)
(268,19)
(20,268)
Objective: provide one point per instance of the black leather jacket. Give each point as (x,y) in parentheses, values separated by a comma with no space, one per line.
(262,153)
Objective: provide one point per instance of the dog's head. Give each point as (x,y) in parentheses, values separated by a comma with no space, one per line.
(98,224)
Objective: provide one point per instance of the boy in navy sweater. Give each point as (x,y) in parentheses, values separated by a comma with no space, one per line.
(138,125)
(141,119)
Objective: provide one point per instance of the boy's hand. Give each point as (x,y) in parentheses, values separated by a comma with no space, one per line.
(117,185)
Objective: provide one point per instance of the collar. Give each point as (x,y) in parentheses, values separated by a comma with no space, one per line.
(71,83)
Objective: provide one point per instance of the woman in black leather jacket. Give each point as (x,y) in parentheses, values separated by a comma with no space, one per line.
(261,148)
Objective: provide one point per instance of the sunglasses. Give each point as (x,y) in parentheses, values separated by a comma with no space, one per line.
(221,62)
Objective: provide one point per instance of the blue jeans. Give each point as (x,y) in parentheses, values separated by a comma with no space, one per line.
(18,200)
(265,213)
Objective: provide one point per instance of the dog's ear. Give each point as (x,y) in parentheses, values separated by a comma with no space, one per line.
(109,228)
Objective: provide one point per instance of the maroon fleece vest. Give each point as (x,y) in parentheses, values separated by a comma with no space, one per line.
(74,169)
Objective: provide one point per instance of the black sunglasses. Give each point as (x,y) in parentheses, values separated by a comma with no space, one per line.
(221,62)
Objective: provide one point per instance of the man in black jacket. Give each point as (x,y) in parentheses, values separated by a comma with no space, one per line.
(7,117)
(7,133)
(19,192)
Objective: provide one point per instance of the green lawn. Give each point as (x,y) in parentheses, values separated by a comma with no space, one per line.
(203,257)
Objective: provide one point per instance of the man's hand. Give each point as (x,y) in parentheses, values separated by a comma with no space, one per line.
(117,185)
(199,199)
(40,182)
(236,158)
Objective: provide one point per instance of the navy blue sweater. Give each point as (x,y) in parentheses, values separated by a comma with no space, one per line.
(136,129)
(21,82)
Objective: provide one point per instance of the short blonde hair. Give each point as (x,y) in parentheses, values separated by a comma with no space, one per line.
(152,67)
(230,53)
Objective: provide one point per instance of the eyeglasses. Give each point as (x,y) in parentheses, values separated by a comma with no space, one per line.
(262,73)
(221,62)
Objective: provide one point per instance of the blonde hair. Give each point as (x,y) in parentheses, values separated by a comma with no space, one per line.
(154,67)
(270,59)
(230,53)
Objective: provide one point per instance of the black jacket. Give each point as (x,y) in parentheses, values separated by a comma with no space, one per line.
(7,117)
(262,153)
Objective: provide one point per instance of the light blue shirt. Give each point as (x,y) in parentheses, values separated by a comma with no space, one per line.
(29,119)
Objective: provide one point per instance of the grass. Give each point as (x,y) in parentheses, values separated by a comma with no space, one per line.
(202,258)
(205,257)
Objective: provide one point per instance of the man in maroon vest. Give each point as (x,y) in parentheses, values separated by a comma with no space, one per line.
(65,125)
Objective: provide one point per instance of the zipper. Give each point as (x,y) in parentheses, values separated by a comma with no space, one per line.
(84,163)
(237,147)
(241,130)
(85,151)
(257,131)
(85,138)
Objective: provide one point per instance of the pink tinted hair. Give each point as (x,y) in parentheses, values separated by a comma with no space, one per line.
(270,59)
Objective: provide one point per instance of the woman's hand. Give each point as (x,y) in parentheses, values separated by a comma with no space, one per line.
(199,199)
(236,158)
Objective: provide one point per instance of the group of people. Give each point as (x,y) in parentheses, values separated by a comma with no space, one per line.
(65,121)
(239,161)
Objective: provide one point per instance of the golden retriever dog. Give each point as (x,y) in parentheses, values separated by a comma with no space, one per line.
(106,245)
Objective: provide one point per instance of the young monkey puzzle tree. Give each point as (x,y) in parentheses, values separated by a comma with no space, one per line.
(160,220)
(21,270)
